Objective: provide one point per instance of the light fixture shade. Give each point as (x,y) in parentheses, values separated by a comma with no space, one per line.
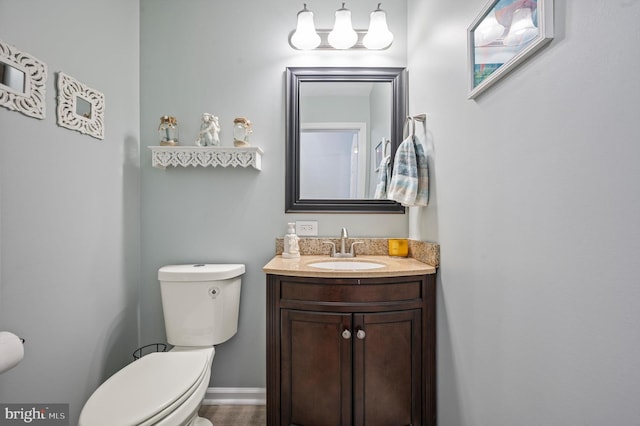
(522,29)
(305,37)
(343,35)
(378,36)
(488,31)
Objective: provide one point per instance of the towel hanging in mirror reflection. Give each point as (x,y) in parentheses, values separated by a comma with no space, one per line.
(384,172)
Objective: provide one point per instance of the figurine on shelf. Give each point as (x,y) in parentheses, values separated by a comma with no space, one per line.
(209,130)
(241,131)
(168,131)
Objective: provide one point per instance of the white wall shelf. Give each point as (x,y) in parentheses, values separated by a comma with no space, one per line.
(163,156)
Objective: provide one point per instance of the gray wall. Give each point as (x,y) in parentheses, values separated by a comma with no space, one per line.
(535,202)
(229,59)
(335,108)
(69,206)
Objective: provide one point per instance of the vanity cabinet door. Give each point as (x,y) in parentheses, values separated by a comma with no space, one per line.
(323,352)
(387,369)
(316,368)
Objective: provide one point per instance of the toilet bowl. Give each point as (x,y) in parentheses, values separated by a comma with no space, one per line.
(200,305)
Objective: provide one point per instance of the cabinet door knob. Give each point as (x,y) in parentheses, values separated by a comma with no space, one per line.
(361,334)
(346,335)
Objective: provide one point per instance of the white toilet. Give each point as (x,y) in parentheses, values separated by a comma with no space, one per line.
(201,306)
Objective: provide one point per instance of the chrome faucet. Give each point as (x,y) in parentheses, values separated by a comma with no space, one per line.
(344,235)
(343,239)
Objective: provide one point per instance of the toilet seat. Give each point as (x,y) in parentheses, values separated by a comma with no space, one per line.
(147,390)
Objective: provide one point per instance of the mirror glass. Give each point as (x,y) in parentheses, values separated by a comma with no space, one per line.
(12,77)
(83,107)
(340,121)
(339,125)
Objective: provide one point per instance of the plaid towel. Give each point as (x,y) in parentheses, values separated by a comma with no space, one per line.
(410,178)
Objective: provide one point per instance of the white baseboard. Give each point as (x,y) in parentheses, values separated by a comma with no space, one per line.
(235,396)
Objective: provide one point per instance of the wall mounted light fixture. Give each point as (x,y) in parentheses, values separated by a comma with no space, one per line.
(342,36)
(305,36)
(378,36)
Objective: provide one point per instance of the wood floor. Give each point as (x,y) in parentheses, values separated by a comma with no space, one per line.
(235,415)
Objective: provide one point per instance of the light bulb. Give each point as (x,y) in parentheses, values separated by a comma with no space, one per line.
(522,29)
(305,37)
(488,31)
(343,35)
(378,36)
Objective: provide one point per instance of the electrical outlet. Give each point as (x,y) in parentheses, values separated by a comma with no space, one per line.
(308,228)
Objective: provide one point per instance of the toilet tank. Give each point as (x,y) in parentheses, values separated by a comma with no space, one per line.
(200,302)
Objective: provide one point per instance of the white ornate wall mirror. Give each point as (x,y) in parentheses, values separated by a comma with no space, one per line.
(22,82)
(80,107)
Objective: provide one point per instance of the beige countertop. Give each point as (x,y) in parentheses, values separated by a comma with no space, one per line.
(393,267)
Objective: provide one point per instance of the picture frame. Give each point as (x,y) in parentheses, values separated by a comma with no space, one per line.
(503,35)
(23,81)
(80,107)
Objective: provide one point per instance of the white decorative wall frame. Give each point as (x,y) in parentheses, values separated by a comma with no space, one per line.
(22,82)
(163,156)
(80,107)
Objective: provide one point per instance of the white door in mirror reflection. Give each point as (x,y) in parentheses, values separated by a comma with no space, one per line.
(333,161)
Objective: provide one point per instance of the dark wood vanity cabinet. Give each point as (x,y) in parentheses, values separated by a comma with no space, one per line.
(344,352)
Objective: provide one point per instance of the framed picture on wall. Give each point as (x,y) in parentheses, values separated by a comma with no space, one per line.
(503,35)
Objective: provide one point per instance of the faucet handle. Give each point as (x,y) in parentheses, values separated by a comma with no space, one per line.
(332,250)
(344,233)
(352,251)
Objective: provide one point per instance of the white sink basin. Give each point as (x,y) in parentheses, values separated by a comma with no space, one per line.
(347,265)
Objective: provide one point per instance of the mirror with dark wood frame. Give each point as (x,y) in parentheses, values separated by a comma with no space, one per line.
(340,122)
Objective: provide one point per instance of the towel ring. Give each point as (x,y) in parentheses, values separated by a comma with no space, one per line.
(386,149)
(412,119)
(411,126)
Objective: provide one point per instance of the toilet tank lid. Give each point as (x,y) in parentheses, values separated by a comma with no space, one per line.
(200,272)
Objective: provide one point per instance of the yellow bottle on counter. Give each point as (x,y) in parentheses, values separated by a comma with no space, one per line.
(398,247)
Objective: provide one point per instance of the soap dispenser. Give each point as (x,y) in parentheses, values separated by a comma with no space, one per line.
(291,247)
